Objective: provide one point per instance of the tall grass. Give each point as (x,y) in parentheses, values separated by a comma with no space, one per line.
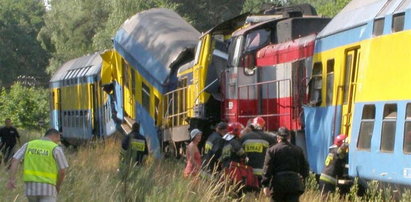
(93,175)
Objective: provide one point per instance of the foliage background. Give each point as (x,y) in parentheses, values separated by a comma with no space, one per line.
(27,107)
(37,37)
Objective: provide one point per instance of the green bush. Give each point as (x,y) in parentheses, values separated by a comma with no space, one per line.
(27,107)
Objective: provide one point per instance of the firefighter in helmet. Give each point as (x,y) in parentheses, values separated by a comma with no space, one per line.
(255,144)
(334,164)
(232,149)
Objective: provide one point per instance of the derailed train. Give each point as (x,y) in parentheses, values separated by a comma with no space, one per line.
(317,77)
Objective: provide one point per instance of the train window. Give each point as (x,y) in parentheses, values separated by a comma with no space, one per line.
(77,119)
(315,84)
(133,83)
(366,127)
(407,131)
(125,72)
(256,39)
(398,22)
(378,27)
(330,82)
(198,51)
(234,51)
(68,119)
(77,74)
(64,118)
(388,128)
(86,70)
(145,96)
(156,109)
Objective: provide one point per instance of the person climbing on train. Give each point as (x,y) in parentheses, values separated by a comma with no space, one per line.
(134,147)
(193,155)
(213,147)
(334,165)
(255,144)
(285,169)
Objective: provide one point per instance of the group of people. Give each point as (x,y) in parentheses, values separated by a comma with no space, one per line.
(279,166)
(44,163)
(274,164)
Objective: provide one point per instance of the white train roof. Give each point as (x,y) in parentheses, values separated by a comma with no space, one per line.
(359,12)
(80,67)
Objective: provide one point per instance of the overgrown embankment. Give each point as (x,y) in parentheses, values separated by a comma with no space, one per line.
(93,176)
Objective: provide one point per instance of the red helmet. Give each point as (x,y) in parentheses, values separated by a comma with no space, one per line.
(339,140)
(235,128)
(258,123)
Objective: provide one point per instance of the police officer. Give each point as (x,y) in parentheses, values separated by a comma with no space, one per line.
(44,167)
(213,147)
(9,137)
(285,169)
(134,146)
(232,149)
(334,164)
(255,144)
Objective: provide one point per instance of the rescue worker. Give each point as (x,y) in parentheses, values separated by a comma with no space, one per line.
(44,167)
(9,137)
(213,147)
(232,149)
(255,144)
(285,169)
(134,146)
(334,165)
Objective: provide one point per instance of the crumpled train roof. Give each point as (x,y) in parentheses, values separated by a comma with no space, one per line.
(153,41)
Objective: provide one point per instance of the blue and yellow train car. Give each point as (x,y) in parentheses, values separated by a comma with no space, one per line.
(79,109)
(149,48)
(359,88)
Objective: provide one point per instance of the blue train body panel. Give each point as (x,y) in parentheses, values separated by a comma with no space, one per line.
(117,100)
(319,126)
(54,119)
(141,59)
(393,166)
(148,129)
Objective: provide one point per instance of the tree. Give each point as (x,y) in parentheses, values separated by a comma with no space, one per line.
(70,26)
(20,52)
(78,27)
(324,7)
(204,14)
(26,106)
(254,6)
(120,11)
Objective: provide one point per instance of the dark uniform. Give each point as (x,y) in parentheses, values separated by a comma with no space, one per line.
(255,145)
(135,146)
(285,169)
(212,152)
(334,167)
(232,151)
(8,136)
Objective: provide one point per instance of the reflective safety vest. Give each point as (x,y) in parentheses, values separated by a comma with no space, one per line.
(138,145)
(39,163)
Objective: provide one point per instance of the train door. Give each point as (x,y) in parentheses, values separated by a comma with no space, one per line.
(58,108)
(352,59)
(95,108)
(129,89)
